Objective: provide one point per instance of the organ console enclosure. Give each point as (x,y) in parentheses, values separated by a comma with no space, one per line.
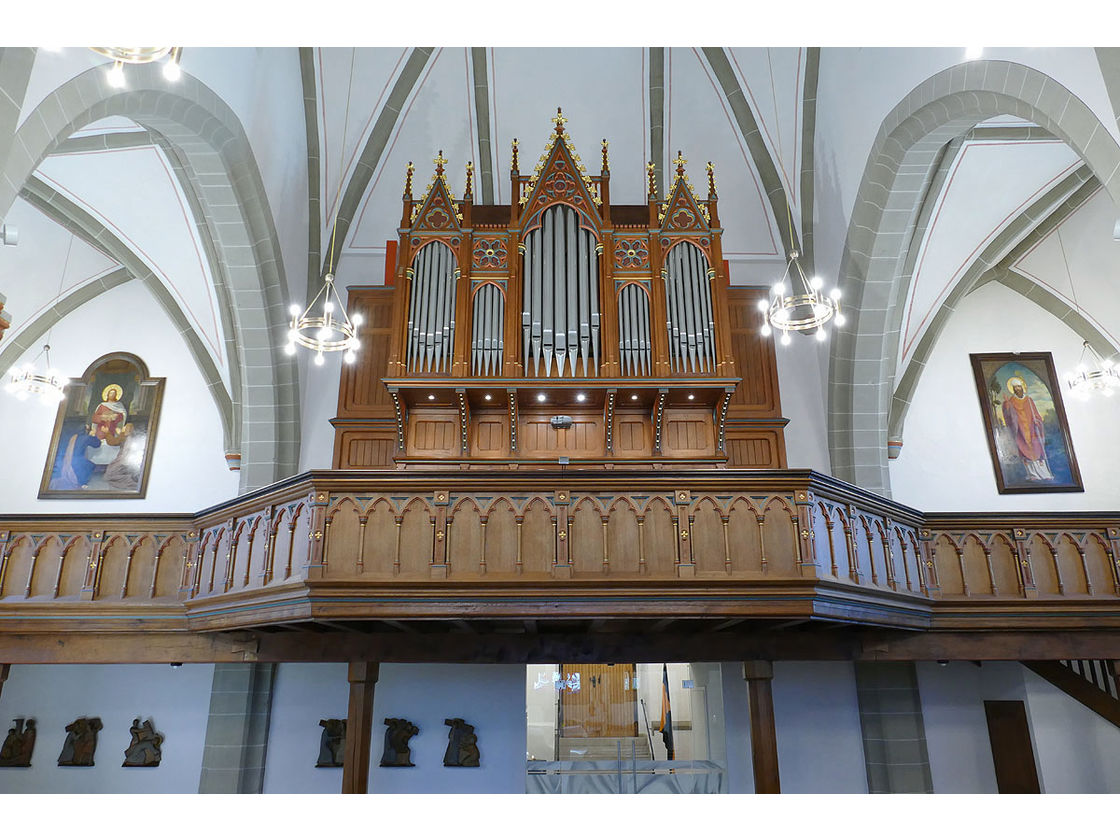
(559,329)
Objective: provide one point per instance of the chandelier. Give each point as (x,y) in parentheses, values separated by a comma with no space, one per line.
(798,304)
(1096,375)
(331,331)
(26,381)
(141,55)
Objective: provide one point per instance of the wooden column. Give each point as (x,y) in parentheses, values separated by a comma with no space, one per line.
(359,723)
(764,742)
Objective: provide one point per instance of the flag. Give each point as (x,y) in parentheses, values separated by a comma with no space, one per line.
(666,713)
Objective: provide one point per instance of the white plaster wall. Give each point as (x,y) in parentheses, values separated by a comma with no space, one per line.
(188,462)
(1077,751)
(945,462)
(176,699)
(802,375)
(737,729)
(816,717)
(303,693)
(489,697)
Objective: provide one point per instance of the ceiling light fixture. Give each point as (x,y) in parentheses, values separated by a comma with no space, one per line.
(798,303)
(581,397)
(1096,373)
(333,330)
(25,380)
(540,398)
(141,55)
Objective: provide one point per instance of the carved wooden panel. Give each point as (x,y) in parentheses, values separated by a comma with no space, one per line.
(757,448)
(633,435)
(364,448)
(490,435)
(537,438)
(688,433)
(433,432)
(360,392)
(757,395)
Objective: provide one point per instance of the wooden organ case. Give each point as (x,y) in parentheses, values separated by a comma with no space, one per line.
(559,329)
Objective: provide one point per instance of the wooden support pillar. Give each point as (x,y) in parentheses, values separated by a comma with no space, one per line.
(764,742)
(359,722)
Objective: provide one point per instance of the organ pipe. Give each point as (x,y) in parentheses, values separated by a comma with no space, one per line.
(486,335)
(691,322)
(633,331)
(560,316)
(431,310)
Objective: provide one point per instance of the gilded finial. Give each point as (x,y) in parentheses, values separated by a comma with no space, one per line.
(605,164)
(652,179)
(470,171)
(711,181)
(408,179)
(514,154)
(439,161)
(559,119)
(679,162)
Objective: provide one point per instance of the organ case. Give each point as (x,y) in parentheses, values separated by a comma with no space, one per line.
(558,328)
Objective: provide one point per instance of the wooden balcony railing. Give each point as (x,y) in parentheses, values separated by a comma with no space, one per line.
(535,545)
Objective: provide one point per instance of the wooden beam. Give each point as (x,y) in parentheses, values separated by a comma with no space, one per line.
(359,724)
(764,740)
(1079,688)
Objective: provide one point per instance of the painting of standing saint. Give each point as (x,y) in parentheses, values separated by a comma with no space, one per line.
(104,433)
(1025,422)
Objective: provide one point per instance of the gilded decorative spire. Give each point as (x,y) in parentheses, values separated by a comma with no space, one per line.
(679,162)
(711,181)
(559,119)
(408,179)
(470,171)
(514,154)
(439,160)
(651,172)
(606,165)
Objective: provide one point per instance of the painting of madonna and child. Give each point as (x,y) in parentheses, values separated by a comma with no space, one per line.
(104,432)
(1025,421)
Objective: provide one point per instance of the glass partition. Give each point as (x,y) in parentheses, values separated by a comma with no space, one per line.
(625,728)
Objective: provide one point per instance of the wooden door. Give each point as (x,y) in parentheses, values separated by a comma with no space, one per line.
(606,705)
(1011,746)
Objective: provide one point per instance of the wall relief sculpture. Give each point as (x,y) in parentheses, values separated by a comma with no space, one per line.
(397,752)
(144,750)
(16,751)
(332,743)
(462,744)
(80,744)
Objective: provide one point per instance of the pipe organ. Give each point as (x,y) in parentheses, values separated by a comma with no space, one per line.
(559,328)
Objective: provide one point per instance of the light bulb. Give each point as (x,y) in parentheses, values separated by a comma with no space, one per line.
(766,329)
(633,396)
(357,320)
(115,75)
(292,333)
(172,71)
(785,338)
(581,397)
(349,357)
(486,397)
(816,282)
(834,294)
(319,358)
(324,333)
(763,304)
(540,398)
(821,334)
(818,310)
(294,310)
(328,306)
(289,349)
(353,344)
(840,320)
(779,289)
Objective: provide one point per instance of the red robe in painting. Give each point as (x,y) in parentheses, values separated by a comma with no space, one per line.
(1024,421)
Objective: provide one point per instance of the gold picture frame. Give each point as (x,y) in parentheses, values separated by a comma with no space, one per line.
(104,432)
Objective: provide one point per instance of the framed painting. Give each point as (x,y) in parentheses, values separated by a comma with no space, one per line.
(104,433)
(1025,422)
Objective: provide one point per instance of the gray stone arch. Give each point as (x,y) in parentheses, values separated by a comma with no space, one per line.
(896,177)
(994,264)
(207,137)
(72,217)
